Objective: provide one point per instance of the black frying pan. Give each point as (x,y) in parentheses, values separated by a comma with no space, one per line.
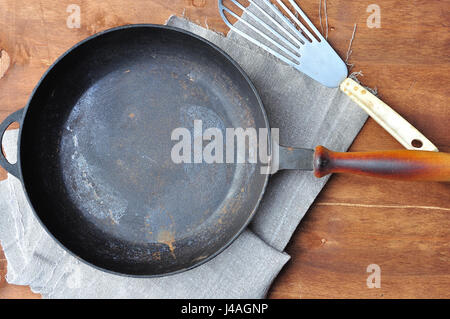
(95,151)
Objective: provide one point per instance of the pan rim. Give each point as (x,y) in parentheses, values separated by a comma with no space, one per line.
(152,26)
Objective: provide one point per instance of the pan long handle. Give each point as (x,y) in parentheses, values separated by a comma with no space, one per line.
(400,165)
(14,117)
(390,120)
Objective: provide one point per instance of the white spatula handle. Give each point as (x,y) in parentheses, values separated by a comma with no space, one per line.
(390,120)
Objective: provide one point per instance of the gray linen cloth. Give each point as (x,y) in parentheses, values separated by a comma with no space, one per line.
(306,113)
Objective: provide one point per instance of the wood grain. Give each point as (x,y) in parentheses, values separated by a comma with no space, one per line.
(403,227)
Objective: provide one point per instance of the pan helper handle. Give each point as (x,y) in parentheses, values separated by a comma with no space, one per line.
(390,120)
(399,165)
(14,117)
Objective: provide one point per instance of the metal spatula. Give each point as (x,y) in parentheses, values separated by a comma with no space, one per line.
(275,26)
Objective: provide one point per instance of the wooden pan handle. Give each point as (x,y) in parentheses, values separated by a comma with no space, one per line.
(400,165)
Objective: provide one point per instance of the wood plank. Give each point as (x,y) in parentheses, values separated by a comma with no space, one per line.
(355,221)
(335,244)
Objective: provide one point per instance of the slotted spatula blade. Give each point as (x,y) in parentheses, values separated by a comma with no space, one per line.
(281,28)
(286,37)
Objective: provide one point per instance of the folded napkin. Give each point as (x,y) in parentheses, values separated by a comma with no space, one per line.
(306,113)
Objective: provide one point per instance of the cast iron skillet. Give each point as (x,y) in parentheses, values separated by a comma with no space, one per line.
(95,151)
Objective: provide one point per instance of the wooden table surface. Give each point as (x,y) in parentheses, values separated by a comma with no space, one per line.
(402,227)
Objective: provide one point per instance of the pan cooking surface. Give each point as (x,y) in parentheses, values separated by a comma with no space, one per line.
(97,151)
